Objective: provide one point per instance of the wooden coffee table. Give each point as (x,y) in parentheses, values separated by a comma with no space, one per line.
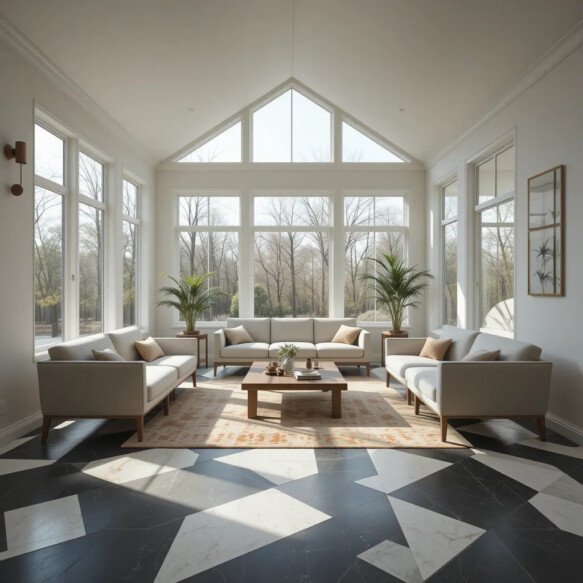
(256,380)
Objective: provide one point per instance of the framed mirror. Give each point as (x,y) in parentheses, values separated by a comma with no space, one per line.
(546,257)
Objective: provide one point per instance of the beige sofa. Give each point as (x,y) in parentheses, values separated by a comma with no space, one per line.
(313,337)
(516,385)
(72,384)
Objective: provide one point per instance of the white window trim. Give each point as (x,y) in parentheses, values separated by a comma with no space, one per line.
(443,224)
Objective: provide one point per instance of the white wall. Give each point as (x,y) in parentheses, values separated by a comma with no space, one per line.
(548,123)
(21,83)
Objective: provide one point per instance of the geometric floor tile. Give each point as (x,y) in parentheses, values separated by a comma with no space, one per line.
(568,450)
(397,469)
(13,444)
(566,488)
(42,525)
(504,430)
(9,466)
(564,514)
(141,464)
(276,465)
(394,559)
(211,537)
(434,539)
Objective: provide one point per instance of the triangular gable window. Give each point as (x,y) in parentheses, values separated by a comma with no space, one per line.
(357,147)
(226,147)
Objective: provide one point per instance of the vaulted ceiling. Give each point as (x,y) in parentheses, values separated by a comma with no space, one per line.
(417,71)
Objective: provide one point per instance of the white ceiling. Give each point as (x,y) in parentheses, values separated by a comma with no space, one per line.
(446,62)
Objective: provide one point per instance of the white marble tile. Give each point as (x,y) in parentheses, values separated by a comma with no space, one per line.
(394,559)
(14,444)
(373,482)
(535,475)
(564,514)
(566,488)
(276,465)
(42,525)
(571,451)
(434,539)
(397,469)
(211,537)
(143,464)
(10,466)
(504,430)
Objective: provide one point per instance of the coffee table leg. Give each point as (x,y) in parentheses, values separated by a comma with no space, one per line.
(336,403)
(251,404)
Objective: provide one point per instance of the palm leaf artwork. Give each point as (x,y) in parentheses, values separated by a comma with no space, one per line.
(191,296)
(397,286)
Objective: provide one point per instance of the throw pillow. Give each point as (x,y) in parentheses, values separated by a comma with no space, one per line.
(107,355)
(346,334)
(149,349)
(435,348)
(481,355)
(237,335)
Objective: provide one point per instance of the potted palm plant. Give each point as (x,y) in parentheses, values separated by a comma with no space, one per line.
(190,296)
(397,287)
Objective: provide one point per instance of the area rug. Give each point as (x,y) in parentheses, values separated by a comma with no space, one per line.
(214,414)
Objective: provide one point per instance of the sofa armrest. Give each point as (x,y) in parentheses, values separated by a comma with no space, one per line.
(220,341)
(410,346)
(493,388)
(178,345)
(364,342)
(100,389)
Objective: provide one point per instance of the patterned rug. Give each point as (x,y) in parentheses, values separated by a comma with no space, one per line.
(214,414)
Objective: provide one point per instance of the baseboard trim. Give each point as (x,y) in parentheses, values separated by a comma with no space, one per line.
(565,428)
(20,428)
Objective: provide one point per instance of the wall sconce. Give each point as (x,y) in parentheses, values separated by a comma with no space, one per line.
(19,155)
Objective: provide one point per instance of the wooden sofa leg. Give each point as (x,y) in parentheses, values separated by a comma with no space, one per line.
(417,403)
(45,430)
(542,430)
(368,369)
(443,423)
(409,396)
(166,404)
(140,427)
(194,379)
(215,373)
(173,395)
(388,379)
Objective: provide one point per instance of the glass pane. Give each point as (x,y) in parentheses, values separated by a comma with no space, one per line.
(130,261)
(130,199)
(292,211)
(358,211)
(545,275)
(450,198)
(90,278)
(497,268)
(90,177)
(49,155)
(379,211)
(544,200)
(204,211)
(224,210)
(193,211)
(356,147)
(226,147)
(450,274)
(311,130)
(48,267)
(389,211)
(486,176)
(272,131)
(291,274)
(505,172)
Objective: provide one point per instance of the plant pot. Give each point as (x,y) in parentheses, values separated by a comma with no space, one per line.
(399,333)
(191,332)
(287,364)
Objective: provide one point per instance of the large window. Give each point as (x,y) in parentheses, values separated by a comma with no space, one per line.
(225,147)
(358,147)
(375,226)
(449,214)
(208,242)
(495,213)
(130,234)
(292,236)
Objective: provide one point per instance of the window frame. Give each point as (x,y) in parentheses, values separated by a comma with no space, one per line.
(136,221)
(444,223)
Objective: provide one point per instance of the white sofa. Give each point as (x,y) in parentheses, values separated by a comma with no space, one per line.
(313,337)
(516,385)
(72,384)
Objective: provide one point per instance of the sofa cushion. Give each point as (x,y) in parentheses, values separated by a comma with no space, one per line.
(509,349)
(337,350)
(107,355)
(123,340)
(250,350)
(424,380)
(435,348)
(292,330)
(149,349)
(183,363)
(159,378)
(461,341)
(81,348)
(258,328)
(397,364)
(481,356)
(237,335)
(326,328)
(305,349)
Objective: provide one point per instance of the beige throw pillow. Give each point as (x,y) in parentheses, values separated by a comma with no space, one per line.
(435,348)
(107,355)
(481,355)
(149,349)
(346,335)
(237,335)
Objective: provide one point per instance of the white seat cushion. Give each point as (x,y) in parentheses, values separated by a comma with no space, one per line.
(337,350)
(424,379)
(159,378)
(249,350)
(183,363)
(397,364)
(305,349)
